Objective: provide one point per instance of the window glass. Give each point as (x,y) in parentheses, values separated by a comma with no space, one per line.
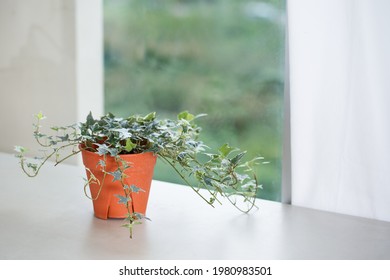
(224,58)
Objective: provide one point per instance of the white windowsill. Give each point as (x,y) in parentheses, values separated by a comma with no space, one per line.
(49,217)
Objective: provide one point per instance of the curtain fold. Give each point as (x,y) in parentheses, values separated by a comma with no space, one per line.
(339,59)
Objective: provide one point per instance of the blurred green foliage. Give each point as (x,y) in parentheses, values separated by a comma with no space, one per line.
(220,57)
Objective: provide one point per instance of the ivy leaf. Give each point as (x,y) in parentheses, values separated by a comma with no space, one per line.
(139,216)
(40,135)
(225,149)
(146,218)
(40,116)
(64,138)
(185,116)
(237,158)
(113,152)
(123,199)
(242,177)
(129,145)
(33,166)
(102,149)
(20,149)
(207,181)
(123,133)
(58,128)
(101,163)
(117,174)
(129,226)
(149,117)
(135,189)
(90,120)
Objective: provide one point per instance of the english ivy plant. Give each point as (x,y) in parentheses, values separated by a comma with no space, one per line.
(223,173)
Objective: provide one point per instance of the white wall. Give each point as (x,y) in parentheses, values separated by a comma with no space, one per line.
(50,61)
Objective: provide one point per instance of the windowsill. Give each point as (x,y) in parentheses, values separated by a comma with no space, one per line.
(49,217)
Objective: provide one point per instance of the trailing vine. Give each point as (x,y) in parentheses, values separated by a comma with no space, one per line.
(221,174)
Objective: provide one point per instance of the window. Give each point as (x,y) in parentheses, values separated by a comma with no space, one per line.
(220,57)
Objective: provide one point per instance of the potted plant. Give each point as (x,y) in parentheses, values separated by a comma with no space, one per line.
(116,151)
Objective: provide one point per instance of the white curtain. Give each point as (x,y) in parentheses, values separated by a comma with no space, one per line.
(339,53)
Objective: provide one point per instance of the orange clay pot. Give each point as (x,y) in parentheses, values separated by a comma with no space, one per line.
(140,174)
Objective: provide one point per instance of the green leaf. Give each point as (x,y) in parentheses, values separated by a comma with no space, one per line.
(113,152)
(130,226)
(40,116)
(123,199)
(117,174)
(90,120)
(149,117)
(146,218)
(123,133)
(185,116)
(102,149)
(58,128)
(64,138)
(225,149)
(40,135)
(33,166)
(129,145)
(138,216)
(207,181)
(237,158)
(20,149)
(135,189)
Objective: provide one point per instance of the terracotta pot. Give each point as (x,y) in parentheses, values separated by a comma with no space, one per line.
(140,174)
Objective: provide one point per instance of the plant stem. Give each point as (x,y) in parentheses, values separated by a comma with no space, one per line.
(188,183)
